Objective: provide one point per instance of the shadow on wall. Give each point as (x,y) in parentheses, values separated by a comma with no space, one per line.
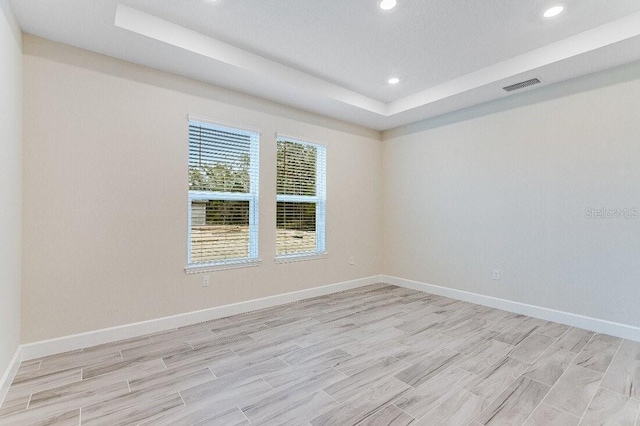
(7,12)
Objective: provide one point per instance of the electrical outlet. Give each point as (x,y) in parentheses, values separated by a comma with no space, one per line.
(206,280)
(496,274)
(352,260)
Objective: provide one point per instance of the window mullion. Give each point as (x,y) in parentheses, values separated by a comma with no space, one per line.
(297,198)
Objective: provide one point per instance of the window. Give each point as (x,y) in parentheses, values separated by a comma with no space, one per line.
(301,198)
(223,195)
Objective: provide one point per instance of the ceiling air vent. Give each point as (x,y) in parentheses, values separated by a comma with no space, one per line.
(522,85)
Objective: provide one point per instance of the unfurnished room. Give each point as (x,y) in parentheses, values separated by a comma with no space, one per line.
(309,213)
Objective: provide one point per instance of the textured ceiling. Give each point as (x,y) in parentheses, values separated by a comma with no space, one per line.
(334,57)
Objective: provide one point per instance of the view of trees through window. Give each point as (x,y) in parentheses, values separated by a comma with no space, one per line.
(297,201)
(223,204)
(230,175)
(296,168)
(296,175)
(220,173)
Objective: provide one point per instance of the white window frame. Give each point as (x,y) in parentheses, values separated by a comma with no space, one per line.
(320,199)
(252,197)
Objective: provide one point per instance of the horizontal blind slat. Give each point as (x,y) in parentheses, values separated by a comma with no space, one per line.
(297,177)
(222,161)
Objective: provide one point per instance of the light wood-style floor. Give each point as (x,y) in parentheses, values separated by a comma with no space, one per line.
(378,355)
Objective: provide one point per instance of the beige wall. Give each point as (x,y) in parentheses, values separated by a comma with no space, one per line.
(508,190)
(105,194)
(10,182)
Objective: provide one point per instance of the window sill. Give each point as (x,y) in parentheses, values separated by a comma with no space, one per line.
(300,257)
(213,267)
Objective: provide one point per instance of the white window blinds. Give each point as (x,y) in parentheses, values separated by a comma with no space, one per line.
(223,194)
(301,197)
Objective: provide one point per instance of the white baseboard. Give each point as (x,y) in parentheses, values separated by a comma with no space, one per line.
(588,323)
(106,335)
(10,373)
(97,337)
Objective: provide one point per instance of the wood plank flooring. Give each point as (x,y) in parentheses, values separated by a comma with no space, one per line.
(378,355)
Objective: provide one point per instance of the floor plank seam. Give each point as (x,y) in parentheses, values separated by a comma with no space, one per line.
(560,409)
(284,360)
(539,403)
(244,414)
(262,378)
(584,413)
(323,391)
(534,410)
(335,369)
(29,402)
(214,374)
(393,403)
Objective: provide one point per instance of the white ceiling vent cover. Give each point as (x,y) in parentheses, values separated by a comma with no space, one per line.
(522,85)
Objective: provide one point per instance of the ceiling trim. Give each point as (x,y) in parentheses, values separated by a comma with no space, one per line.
(596,38)
(159,29)
(156,28)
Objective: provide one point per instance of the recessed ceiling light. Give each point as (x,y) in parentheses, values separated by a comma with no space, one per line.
(387,4)
(553,11)
(394,80)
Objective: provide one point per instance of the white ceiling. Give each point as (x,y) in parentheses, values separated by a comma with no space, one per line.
(335,57)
